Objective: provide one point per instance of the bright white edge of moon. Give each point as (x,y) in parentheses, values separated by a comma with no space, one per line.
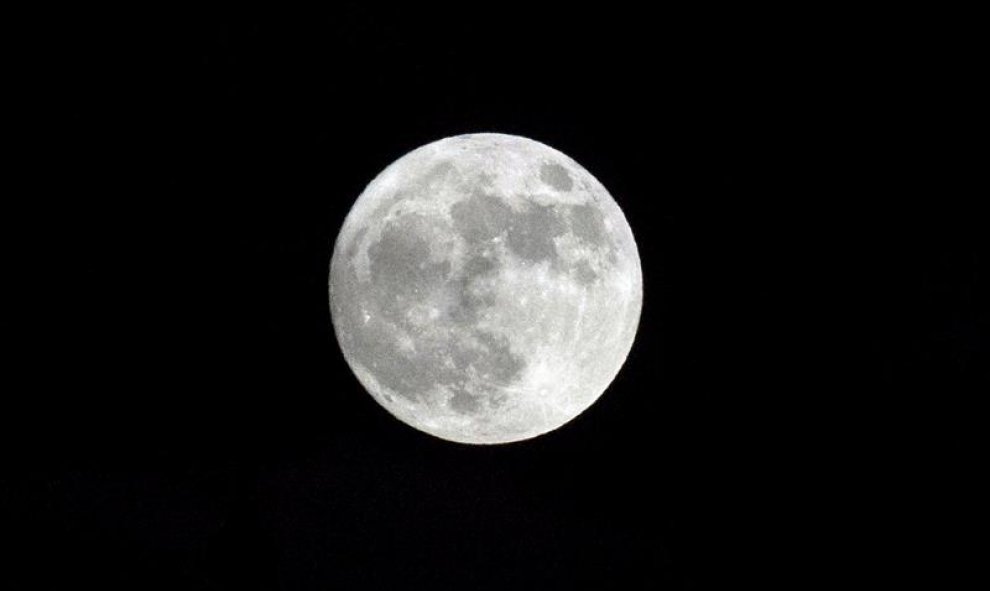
(485,288)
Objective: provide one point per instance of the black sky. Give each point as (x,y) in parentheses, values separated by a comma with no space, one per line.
(797,407)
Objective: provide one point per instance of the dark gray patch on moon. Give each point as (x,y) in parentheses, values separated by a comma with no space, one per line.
(355,243)
(480,265)
(556,176)
(498,366)
(480,217)
(531,233)
(400,261)
(588,225)
(464,403)
(468,303)
(469,297)
(584,274)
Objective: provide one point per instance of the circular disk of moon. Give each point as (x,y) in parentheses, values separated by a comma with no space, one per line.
(485,288)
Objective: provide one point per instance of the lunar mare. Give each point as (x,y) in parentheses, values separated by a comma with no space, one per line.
(485,288)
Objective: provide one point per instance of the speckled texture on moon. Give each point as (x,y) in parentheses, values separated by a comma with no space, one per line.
(485,288)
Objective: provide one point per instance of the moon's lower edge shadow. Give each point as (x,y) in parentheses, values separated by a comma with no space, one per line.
(485,289)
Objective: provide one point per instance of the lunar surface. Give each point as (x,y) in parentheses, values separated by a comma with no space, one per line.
(485,288)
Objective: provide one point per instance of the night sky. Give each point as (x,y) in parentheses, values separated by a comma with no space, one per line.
(797,406)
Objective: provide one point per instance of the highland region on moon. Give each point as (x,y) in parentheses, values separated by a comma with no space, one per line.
(485,288)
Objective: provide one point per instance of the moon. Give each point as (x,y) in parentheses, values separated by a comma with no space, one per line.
(485,288)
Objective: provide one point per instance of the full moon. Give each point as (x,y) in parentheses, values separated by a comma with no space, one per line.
(485,288)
